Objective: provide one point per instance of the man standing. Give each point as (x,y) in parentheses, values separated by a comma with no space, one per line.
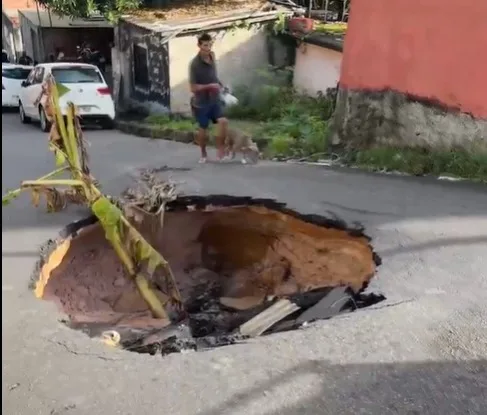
(5,58)
(205,103)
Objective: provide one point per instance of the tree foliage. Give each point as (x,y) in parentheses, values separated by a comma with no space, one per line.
(110,9)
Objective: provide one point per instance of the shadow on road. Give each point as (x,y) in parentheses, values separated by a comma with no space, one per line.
(407,388)
(440,243)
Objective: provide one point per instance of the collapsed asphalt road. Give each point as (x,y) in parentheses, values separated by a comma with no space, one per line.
(422,350)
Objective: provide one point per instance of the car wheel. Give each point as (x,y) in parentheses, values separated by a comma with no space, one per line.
(24,119)
(108,125)
(45,124)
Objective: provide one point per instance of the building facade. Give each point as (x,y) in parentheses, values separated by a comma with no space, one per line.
(414,75)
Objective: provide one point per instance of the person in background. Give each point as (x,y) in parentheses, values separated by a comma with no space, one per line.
(59,54)
(5,58)
(25,59)
(51,58)
(205,103)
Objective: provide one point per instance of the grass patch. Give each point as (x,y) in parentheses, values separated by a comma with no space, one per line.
(421,162)
(171,123)
(337,28)
(283,123)
(291,125)
(187,125)
(294,125)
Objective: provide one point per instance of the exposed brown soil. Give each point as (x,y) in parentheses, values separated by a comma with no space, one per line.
(256,251)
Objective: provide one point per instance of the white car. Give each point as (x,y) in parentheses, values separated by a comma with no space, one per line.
(86,88)
(12,77)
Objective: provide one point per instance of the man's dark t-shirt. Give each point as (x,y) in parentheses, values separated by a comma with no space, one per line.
(203,73)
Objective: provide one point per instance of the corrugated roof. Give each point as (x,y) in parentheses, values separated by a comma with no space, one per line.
(62,22)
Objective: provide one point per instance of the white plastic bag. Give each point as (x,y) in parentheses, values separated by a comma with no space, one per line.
(227,98)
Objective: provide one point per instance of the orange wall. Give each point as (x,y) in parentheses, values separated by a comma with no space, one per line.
(435,49)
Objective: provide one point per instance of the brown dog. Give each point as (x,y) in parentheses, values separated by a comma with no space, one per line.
(241,142)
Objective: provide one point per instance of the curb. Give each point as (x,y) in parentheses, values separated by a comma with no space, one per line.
(158,132)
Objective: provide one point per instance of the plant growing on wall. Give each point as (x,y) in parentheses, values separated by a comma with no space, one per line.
(139,258)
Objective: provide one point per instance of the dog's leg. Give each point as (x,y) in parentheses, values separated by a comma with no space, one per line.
(244,156)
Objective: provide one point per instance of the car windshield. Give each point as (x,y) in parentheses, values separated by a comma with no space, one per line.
(15,73)
(76,75)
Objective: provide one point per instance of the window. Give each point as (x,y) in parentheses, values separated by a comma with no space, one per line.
(77,75)
(30,78)
(38,75)
(141,69)
(15,73)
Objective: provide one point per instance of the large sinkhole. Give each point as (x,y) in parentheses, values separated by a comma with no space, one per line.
(244,267)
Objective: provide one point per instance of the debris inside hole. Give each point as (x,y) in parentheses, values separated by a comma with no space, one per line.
(244,267)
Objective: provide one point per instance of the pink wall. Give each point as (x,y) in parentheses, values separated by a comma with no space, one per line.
(435,49)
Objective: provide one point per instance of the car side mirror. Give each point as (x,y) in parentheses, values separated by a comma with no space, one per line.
(24,84)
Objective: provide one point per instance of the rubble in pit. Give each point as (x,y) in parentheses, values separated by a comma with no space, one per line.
(245,267)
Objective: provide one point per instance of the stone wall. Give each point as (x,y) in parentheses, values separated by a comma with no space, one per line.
(366,119)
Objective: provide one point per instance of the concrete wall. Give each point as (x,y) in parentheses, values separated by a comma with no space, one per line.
(316,69)
(30,38)
(11,38)
(413,75)
(241,54)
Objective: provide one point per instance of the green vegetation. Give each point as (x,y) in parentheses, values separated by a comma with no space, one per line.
(338,28)
(110,9)
(171,123)
(294,125)
(289,124)
(455,163)
(286,124)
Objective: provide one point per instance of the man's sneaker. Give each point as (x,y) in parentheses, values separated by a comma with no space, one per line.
(202,160)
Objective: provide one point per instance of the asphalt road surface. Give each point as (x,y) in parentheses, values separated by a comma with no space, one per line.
(424,351)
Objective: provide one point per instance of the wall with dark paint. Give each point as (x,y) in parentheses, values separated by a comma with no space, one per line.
(428,54)
(157,96)
(68,38)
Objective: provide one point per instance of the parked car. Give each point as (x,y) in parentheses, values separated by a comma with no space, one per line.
(12,77)
(83,85)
